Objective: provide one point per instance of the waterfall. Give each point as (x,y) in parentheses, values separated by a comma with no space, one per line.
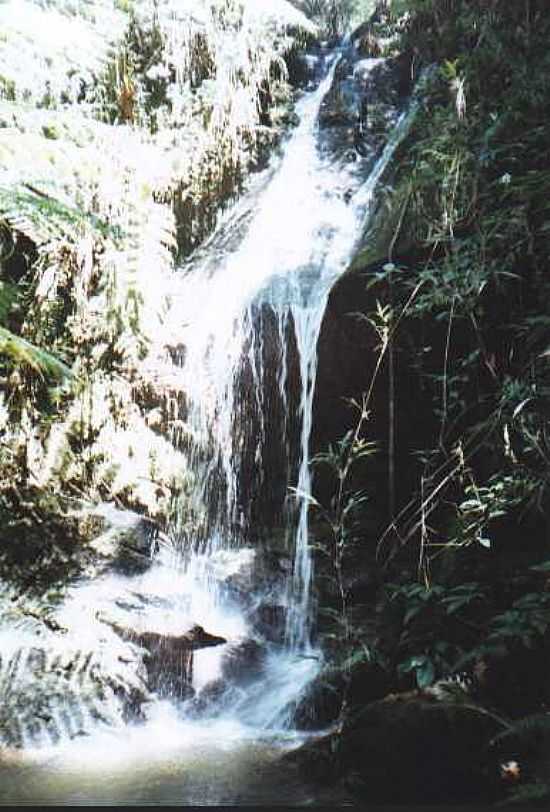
(251,299)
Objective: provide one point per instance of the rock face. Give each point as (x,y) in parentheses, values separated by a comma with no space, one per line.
(268,620)
(362,105)
(348,349)
(243,661)
(128,549)
(305,69)
(175,645)
(322,703)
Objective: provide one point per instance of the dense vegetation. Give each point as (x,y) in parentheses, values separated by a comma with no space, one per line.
(335,17)
(123,129)
(456,557)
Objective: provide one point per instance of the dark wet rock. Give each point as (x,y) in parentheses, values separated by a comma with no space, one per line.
(361,106)
(305,69)
(191,640)
(348,350)
(243,661)
(322,703)
(316,760)
(406,749)
(215,697)
(169,658)
(239,585)
(365,43)
(364,102)
(211,694)
(404,64)
(268,620)
(265,573)
(177,354)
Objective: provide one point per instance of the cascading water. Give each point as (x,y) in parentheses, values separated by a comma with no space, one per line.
(282,258)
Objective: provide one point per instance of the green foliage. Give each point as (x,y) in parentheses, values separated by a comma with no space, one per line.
(483,504)
(111,164)
(465,555)
(431,619)
(8,296)
(7,89)
(22,353)
(125,5)
(332,16)
(340,519)
(43,218)
(474,191)
(527,727)
(527,620)
(530,792)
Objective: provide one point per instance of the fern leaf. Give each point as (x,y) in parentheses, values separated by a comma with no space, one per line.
(20,351)
(43,218)
(525,727)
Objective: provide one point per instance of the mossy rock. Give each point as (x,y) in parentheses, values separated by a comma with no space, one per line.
(406,749)
(421,750)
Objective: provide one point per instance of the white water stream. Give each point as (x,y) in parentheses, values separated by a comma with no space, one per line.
(283,256)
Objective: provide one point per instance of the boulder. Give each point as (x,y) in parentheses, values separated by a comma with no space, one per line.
(213,698)
(406,749)
(322,703)
(169,658)
(168,644)
(265,572)
(243,661)
(305,69)
(320,706)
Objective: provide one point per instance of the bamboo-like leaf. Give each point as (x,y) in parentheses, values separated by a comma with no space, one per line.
(20,351)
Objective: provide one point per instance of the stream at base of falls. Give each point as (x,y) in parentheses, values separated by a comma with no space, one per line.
(167,761)
(178,752)
(181,751)
(247,309)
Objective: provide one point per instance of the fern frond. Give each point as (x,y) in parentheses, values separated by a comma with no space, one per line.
(43,218)
(20,351)
(525,727)
(8,294)
(48,696)
(525,793)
